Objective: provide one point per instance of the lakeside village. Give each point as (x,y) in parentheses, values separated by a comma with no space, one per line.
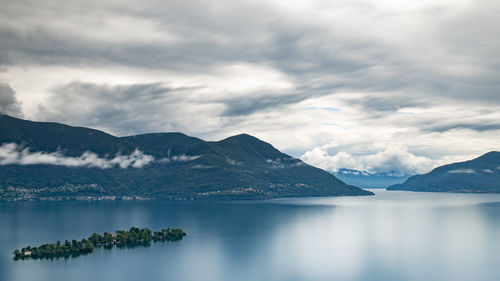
(93,192)
(69,192)
(121,238)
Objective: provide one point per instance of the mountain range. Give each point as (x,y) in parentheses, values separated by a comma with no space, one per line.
(479,175)
(41,160)
(367,179)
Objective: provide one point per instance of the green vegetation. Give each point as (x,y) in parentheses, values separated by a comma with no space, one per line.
(479,175)
(121,238)
(238,167)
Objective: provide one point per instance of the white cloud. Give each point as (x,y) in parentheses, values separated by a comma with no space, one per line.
(201,166)
(8,101)
(407,72)
(11,153)
(462,171)
(180,158)
(233,162)
(279,163)
(394,158)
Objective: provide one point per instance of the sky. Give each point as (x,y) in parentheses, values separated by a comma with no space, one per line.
(381,85)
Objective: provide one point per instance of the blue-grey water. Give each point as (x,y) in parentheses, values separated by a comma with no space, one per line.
(390,236)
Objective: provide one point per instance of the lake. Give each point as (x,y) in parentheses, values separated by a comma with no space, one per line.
(394,235)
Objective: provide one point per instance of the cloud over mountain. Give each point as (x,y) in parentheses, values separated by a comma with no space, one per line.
(12,154)
(8,101)
(395,158)
(419,73)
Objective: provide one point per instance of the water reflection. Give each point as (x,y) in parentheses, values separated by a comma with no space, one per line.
(390,236)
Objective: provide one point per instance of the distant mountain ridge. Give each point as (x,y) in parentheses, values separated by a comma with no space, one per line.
(93,163)
(479,175)
(367,179)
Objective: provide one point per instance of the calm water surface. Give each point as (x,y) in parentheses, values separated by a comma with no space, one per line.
(390,236)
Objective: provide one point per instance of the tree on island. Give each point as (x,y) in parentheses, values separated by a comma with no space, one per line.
(121,238)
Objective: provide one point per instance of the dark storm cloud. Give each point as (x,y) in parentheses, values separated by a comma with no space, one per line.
(304,51)
(389,103)
(383,106)
(8,102)
(44,47)
(206,36)
(479,126)
(399,72)
(258,102)
(124,109)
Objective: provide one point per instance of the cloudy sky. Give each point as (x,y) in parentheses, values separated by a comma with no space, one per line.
(372,85)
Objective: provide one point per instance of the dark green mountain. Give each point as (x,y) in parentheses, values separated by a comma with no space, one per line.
(86,162)
(47,137)
(480,175)
(164,143)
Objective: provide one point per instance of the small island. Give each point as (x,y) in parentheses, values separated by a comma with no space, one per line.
(121,238)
